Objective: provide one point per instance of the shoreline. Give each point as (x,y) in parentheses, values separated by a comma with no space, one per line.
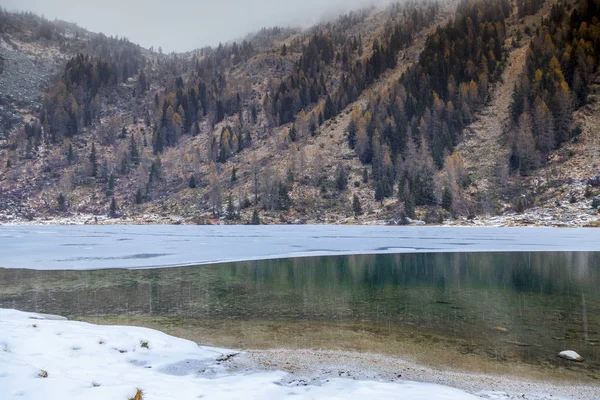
(538,218)
(432,362)
(46,355)
(316,366)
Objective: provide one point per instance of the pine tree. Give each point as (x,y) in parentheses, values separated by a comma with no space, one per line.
(356,207)
(139,197)
(379,191)
(447,199)
(255,218)
(328,110)
(113,208)
(61,202)
(524,156)
(134,154)
(352,128)
(293,133)
(94,161)
(70,154)
(215,189)
(230,209)
(283,198)
(157,142)
(406,197)
(543,127)
(341,178)
(234,175)
(283,50)
(110,187)
(155,174)
(313,127)
(192,182)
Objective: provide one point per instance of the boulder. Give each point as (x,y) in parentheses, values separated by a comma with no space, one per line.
(570,355)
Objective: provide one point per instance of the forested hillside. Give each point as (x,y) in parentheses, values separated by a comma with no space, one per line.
(367,118)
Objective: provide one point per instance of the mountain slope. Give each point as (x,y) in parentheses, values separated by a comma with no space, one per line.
(333,124)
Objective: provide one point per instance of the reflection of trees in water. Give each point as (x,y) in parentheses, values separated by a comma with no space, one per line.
(438,291)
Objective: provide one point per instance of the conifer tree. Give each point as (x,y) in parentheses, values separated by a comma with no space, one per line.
(293,133)
(134,154)
(192,182)
(94,161)
(447,199)
(61,202)
(230,209)
(139,197)
(70,154)
(113,208)
(110,186)
(234,175)
(255,218)
(341,178)
(356,207)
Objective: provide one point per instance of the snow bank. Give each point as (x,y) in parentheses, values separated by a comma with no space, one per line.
(52,359)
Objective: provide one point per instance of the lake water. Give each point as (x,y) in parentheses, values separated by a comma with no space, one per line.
(478,310)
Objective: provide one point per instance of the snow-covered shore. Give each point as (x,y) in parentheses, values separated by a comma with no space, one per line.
(43,358)
(46,357)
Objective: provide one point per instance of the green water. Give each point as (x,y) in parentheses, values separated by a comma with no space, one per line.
(518,307)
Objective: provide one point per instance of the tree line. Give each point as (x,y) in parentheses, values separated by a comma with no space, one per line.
(407,132)
(562,59)
(307,85)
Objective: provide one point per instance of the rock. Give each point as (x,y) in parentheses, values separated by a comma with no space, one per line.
(570,355)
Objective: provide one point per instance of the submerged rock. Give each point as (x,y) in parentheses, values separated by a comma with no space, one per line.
(570,355)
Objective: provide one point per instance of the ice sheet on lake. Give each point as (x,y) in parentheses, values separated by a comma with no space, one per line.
(97,247)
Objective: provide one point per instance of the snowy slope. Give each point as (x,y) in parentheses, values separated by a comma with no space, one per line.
(85,361)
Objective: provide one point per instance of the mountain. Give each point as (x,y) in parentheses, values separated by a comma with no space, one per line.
(454,112)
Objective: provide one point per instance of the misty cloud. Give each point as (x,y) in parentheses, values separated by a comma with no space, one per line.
(182,25)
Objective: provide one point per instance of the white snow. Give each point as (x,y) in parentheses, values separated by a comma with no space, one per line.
(85,361)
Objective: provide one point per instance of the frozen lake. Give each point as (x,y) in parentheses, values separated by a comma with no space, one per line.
(99,247)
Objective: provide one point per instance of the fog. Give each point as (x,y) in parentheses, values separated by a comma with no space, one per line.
(182,25)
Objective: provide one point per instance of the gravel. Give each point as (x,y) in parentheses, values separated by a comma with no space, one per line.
(312,367)
(22,78)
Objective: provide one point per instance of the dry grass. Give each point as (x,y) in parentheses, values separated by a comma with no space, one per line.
(594,224)
(139,395)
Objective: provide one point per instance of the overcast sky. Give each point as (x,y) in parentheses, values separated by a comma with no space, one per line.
(181,25)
